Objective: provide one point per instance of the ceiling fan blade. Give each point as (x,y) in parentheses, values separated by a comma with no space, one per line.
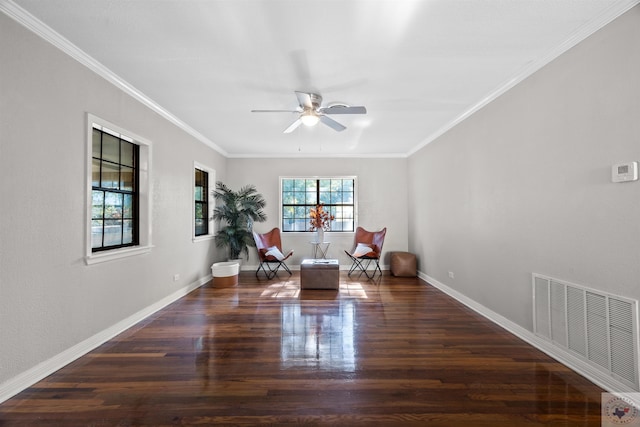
(332,123)
(343,109)
(304,99)
(293,126)
(274,111)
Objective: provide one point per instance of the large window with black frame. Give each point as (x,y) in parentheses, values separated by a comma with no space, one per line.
(114,176)
(300,195)
(201,198)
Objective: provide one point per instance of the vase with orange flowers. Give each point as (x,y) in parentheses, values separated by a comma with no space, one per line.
(320,221)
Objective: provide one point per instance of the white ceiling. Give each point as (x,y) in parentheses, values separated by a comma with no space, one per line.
(418,66)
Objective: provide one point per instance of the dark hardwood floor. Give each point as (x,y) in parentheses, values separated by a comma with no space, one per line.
(392,351)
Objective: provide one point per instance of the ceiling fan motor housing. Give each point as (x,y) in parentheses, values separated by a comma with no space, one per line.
(316,100)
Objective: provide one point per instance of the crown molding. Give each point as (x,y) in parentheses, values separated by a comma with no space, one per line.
(609,15)
(317,156)
(45,32)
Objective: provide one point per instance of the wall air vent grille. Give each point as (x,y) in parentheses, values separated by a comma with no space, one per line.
(596,327)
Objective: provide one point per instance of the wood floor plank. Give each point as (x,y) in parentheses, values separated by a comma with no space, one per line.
(392,351)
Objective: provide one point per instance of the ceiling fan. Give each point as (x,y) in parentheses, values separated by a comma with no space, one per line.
(310,112)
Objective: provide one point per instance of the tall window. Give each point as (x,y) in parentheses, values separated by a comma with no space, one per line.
(300,195)
(201,198)
(114,191)
(118,188)
(204,181)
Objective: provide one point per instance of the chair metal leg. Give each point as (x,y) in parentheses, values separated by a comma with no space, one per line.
(286,268)
(363,265)
(272,271)
(377,268)
(357,264)
(269,274)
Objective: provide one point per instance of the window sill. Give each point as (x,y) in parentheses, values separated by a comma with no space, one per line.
(97,258)
(203,238)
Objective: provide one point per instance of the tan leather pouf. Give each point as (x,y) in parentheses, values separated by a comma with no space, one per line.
(403,264)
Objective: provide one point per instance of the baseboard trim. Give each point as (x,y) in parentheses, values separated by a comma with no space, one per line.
(22,381)
(608,383)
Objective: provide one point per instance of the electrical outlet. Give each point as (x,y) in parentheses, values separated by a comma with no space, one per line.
(451,275)
(176,277)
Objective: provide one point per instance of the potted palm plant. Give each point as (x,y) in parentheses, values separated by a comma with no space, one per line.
(237,211)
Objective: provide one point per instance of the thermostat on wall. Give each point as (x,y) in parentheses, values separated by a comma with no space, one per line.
(624,172)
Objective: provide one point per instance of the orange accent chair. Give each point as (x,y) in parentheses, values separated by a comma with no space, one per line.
(270,255)
(367,249)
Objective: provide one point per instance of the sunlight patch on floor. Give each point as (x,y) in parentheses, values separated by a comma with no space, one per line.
(282,290)
(291,289)
(353,290)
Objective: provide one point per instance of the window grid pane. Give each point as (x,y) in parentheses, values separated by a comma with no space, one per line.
(201,200)
(110,148)
(126,178)
(110,176)
(299,196)
(114,192)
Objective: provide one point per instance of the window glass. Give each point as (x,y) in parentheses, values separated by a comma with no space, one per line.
(110,148)
(300,195)
(126,155)
(109,178)
(114,192)
(201,200)
(126,178)
(96,143)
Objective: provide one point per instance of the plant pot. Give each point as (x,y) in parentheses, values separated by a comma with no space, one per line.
(237,261)
(225,273)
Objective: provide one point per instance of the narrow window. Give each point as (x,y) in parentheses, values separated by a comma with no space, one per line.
(204,179)
(201,199)
(114,191)
(300,195)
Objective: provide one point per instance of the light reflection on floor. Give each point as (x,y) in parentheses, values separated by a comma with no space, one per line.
(291,289)
(318,336)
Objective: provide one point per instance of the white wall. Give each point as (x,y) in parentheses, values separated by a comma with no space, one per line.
(382,199)
(50,300)
(524,185)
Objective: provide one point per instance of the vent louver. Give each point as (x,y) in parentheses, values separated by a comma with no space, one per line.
(596,327)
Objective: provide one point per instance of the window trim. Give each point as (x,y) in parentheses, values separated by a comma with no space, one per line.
(211,183)
(144,195)
(355,199)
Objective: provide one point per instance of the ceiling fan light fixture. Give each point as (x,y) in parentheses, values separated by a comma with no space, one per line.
(310,111)
(309,119)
